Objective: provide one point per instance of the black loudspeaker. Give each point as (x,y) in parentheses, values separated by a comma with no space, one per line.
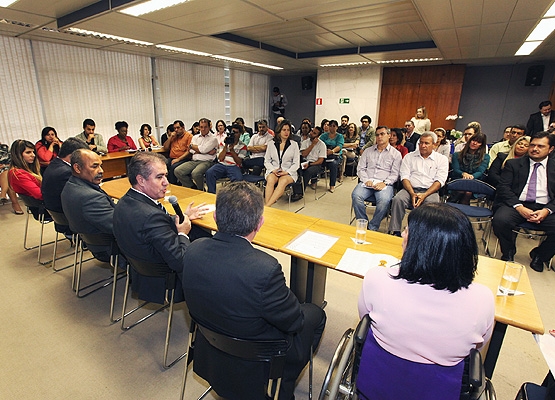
(534,75)
(306,82)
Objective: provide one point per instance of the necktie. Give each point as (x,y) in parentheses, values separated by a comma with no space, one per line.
(161,207)
(531,193)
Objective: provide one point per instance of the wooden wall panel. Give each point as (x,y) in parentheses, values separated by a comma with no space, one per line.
(438,88)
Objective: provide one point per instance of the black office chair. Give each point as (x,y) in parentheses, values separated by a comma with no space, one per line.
(36,209)
(154,283)
(99,240)
(60,220)
(482,212)
(341,377)
(208,344)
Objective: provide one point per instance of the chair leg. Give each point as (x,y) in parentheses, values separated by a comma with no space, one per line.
(114,286)
(310,373)
(26,230)
(54,254)
(168,334)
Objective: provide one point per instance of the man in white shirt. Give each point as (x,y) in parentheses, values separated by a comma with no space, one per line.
(423,173)
(378,169)
(257,148)
(313,154)
(203,147)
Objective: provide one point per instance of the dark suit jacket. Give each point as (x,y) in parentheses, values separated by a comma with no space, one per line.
(413,139)
(535,122)
(494,172)
(235,289)
(87,207)
(514,177)
(53,182)
(146,233)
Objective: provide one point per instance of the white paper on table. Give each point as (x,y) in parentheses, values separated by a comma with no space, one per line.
(312,244)
(208,208)
(359,262)
(546,343)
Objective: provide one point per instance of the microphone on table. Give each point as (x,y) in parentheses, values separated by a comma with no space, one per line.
(176,208)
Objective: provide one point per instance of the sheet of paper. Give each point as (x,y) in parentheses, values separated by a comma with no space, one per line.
(547,347)
(359,262)
(312,244)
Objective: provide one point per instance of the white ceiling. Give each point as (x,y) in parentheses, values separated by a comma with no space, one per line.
(475,32)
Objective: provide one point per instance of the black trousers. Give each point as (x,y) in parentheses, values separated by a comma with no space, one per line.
(298,354)
(507,218)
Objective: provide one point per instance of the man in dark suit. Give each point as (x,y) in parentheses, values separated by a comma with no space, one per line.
(237,290)
(142,226)
(411,136)
(543,120)
(86,206)
(526,192)
(146,232)
(58,173)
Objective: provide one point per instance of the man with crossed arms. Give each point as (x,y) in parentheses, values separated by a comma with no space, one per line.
(423,173)
(377,170)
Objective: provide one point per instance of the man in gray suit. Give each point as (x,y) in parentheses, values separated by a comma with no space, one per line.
(86,206)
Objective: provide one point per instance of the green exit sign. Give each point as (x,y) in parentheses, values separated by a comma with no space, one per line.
(344,100)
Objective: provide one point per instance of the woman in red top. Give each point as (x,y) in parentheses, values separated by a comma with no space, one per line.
(24,175)
(48,147)
(395,140)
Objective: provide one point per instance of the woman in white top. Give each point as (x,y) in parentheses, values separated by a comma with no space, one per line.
(282,160)
(421,122)
(442,146)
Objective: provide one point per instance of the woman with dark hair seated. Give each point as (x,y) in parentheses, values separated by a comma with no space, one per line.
(146,140)
(471,163)
(426,313)
(47,147)
(396,139)
(282,160)
(24,175)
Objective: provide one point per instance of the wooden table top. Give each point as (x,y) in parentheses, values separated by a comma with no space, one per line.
(379,243)
(281,227)
(520,311)
(125,154)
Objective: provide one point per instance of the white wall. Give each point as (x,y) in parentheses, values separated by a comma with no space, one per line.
(360,85)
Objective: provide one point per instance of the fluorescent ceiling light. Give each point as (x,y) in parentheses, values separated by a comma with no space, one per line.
(527,48)
(6,3)
(409,60)
(150,6)
(542,30)
(237,60)
(200,53)
(106,36)
(180,50)
(350,64)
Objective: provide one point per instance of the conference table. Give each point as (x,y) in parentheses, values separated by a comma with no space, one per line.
(308,273)
(115,164)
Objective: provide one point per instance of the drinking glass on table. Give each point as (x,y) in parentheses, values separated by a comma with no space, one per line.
(511,276)
(360,237)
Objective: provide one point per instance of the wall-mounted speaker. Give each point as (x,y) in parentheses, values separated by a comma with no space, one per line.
(534,75)
(306,82)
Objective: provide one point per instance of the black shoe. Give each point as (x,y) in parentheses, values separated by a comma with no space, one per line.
(396,233)
(508,257)
(534,252)
(537,264)
(296,197)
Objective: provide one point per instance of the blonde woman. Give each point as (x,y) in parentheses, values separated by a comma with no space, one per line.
(518,149)
(420,120)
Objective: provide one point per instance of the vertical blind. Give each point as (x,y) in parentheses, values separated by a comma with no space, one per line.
(78,83)
(249,96)
(189,92)
(50,84)
(20,106)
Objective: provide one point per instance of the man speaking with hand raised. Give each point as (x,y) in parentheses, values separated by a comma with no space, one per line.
(142,226)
